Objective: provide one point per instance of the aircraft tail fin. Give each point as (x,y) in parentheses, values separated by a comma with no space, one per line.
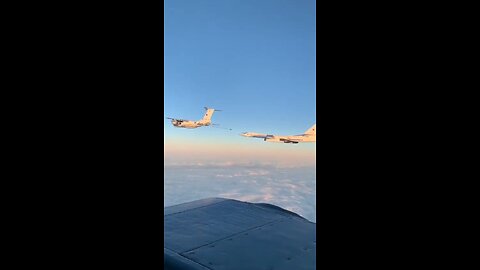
(208,115)
(312,130)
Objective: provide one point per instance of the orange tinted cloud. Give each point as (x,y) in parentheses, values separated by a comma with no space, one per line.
(301,154)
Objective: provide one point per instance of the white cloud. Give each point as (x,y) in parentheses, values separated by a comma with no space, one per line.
(291,188)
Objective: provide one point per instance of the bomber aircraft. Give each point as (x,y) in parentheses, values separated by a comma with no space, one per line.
(205,121)
(309,136)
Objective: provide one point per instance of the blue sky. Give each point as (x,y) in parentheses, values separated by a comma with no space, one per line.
(255,59)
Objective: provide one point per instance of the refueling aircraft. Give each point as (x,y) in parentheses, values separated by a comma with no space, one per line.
(205,121)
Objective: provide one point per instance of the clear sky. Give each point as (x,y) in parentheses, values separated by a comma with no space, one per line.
(253,59)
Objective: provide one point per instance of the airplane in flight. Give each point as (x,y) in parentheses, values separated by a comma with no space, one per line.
(205,121)
(309,136)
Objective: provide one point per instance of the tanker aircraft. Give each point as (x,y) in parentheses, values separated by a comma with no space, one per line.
(205,121)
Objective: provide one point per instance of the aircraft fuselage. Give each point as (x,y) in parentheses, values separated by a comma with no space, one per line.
(205,121)
(309,136)
(282,139)
(292,139)
(188,124)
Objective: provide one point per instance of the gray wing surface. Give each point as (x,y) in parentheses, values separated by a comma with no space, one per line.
(218,233)
(289,141)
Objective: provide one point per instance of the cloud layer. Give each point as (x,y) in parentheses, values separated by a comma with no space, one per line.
(290,187)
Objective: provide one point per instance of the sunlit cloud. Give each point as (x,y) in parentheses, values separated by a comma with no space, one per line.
(293,188)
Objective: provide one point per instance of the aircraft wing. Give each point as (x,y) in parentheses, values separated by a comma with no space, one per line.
(288,140)
(181,120)
(257,135)
(218,233)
